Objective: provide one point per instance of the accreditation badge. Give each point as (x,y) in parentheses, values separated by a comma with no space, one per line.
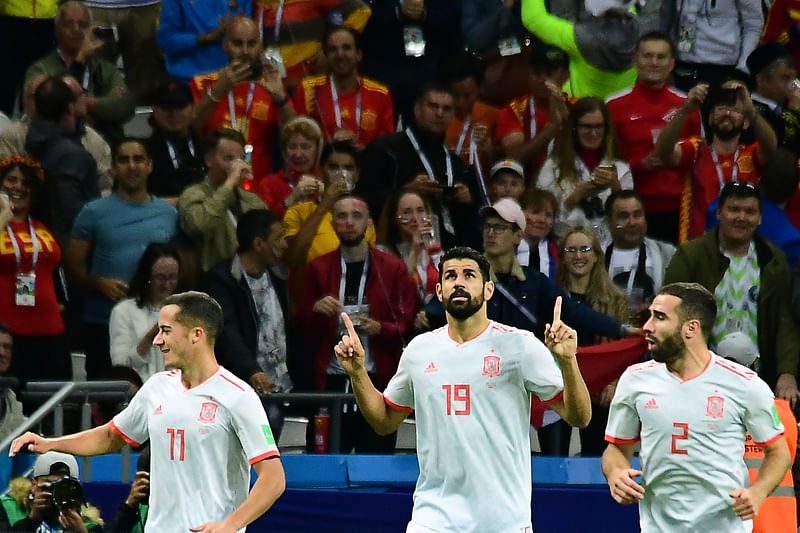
(25,289)
(414,41)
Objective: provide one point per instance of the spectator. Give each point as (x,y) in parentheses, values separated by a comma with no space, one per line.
(750,280)
(41,513)
(709,165)
(173,145)
(538,247)
(634,261)
(297,29)
(104,411)
(585,169)
(251,287)
(190,34)
(776,95)
(713,41)
(405,230)
(308,226)
(639,114)
(506,180)
(301,143)
(12,138)
(108,239)
(528,125)
(493,27)
(209,210)
(29,262)
(11,416)
(474,127)
(349,107)
(109,104)
(375,290)
(782,26)
(132,513)
(582,274)
(600,49)
(245,95)
(134,321)
(404,44)
(419,159)
(55,140)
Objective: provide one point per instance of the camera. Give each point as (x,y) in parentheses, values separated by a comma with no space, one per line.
(67,494)
(256,70)
(592,207)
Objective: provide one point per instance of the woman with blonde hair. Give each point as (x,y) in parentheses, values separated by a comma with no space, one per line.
(584,168)
(301,144)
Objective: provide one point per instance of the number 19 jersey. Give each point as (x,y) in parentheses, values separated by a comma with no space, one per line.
(692,441)
(472,404)
(202,443)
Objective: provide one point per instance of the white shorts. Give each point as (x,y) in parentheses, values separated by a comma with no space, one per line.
(416,528)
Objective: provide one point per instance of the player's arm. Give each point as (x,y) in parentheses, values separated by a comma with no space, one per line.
(96,441)
(350,353)
(269,485)
(616,464)
(746,501)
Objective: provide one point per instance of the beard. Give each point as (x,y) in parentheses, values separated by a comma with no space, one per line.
(727,135)
(355,241)
(670,349)
(463,310)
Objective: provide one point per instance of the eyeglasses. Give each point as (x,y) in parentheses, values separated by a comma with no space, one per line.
(405,219)
(499,229)
(591,127)
(574,250)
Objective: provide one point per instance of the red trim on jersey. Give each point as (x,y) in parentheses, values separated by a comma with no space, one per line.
(773,440)
(205,380)
(554,398)
(734,370)
(268,455)
(393,405)
(643,366)
(615,440)
(488,323)
(231,382)
(500,327)
(708,364)
(124,436)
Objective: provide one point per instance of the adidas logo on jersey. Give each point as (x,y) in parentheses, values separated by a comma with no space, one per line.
(158,410)
(651,404)
(430,368)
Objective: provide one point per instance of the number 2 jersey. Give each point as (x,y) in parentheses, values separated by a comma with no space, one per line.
(472,404)
(202,443)
(692,440)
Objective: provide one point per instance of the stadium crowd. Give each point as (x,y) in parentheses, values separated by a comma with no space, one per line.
(309,157)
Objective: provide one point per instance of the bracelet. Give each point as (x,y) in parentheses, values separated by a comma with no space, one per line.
(211,96)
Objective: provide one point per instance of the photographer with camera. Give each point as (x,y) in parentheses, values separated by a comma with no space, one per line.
(721,159)
(56,498)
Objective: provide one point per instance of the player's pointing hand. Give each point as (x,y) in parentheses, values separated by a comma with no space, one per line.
(349,350)
(559,337)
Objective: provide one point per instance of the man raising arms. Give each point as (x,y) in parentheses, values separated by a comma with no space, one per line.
(470,383)
(206,429)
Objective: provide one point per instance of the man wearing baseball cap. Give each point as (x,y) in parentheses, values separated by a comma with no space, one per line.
(506,180)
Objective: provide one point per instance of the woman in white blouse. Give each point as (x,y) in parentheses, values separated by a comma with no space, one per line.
(584,168)
(134,321)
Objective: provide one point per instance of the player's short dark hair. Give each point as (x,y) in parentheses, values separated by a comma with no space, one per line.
(741,190)
(433,87)
(116,147)
(656,35)
(197,310)
(697,303)
(256,223)
(212,141)
(622,194)
(465,252)
(338,147)
(779,177)
(52,98)
(333,28)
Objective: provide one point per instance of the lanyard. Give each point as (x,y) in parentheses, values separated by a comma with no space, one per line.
(15,245)
(475,161)
(735,171)
(532,109)
(278,17)
(85,82)
(424,160)
(337,111)
(361,284)
(248,104)
(174,156)
(463,136)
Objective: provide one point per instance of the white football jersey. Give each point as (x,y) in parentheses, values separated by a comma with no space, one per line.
(202,443)
(692,440)
(472,403)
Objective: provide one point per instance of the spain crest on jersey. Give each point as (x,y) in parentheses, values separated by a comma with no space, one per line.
(491,365)
(715,406)
(208,412)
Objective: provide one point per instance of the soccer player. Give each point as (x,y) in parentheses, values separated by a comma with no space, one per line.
(205,425)
(470,383)
(690,408)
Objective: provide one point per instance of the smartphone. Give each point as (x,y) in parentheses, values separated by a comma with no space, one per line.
(723,96)
(256,70)
(104,34)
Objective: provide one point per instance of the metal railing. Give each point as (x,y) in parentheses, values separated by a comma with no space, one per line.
(335,400)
